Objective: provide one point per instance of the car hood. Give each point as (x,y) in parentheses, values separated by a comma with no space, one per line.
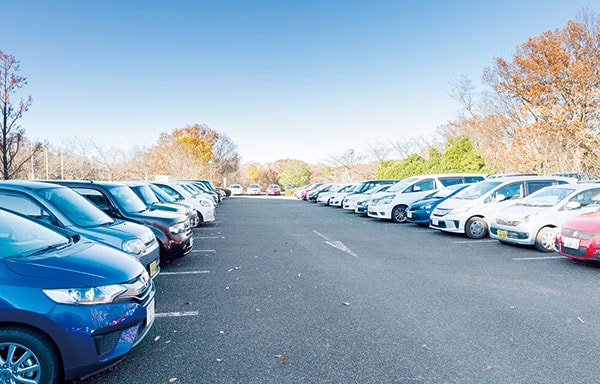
(169,207)
(419,203)
(121,231)
(84,263)
(587,222)
(519,211)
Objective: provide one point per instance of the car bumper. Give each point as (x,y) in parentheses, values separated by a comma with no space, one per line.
(417,217)
(513,235)
(178,247)
(448,224)
(584,252)
(380,211)
(101,335)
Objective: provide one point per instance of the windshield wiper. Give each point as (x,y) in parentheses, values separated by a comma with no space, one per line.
(46,249)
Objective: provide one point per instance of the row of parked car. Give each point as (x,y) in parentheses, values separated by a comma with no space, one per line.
(550,213)
(78,262)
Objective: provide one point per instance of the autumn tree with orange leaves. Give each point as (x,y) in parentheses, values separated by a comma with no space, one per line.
(543,115)
(193,152)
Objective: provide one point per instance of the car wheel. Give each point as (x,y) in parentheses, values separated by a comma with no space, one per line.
(200,219)
(27,356)
(399,214)
(476,228)
(544,240)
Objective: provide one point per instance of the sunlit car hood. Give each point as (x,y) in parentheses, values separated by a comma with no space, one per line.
(518,211)
(586,222)
(125,230)
(83,263)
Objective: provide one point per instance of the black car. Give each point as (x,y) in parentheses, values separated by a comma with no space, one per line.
(173,230)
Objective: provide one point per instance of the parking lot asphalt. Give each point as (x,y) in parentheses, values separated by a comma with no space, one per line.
(284,291)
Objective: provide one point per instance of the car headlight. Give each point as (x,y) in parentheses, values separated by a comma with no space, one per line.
(387,199)
(85,296)
(205,203)
(426,207)
(528,218)
(177,228)
(134,246)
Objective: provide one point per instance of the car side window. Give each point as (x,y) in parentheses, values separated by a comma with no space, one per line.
(508,192)
(473,179)
(96,197)
(588,199)
(423,185)
(25,206)
(533,186)
(446,181)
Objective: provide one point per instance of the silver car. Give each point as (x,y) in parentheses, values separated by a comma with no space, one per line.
(535,219)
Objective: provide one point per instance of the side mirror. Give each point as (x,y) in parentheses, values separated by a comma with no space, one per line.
(573,205)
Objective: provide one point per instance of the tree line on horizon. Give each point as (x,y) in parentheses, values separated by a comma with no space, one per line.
(535,113)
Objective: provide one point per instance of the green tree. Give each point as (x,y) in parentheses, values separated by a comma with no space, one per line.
(399,169)
(461,156)
(295,172)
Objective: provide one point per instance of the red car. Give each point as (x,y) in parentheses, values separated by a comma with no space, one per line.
(273,189)
(579,237)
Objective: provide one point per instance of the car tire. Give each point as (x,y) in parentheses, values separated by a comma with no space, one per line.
(200,220)
(42,365)
(544,240)
(399,214)
(476,228)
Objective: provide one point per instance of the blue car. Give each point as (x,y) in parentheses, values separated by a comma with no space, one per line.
(65,208)
(69,307)
(420,210)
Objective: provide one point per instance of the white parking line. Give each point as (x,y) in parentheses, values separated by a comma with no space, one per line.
(177,314)
(537,258)
(183,273)
(209,237)
(475,241)
(203,251)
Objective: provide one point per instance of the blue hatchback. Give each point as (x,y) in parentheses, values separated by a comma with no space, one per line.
(420,210)
(66,309)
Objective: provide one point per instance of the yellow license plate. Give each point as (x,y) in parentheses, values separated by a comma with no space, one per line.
(502,234)
(153,267)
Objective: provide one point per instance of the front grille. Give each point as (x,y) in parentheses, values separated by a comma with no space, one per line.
(507,222)
(570,251)
(137,289)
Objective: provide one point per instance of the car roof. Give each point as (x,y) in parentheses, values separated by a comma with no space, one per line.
(28,184)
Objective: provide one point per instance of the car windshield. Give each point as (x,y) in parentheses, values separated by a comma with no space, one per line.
(162,195)
(146,194)
(445,192)
(189,189)
(402,184)
(22,237)
(127,199)
(76,207)
(547,197)
(477,190)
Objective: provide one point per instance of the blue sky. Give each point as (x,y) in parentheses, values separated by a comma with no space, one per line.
(283,79)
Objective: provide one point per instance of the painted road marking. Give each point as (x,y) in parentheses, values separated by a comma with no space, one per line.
(183,273)
(537,258)
(335,244)
(177,314)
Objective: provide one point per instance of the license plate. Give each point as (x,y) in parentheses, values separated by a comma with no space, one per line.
(435,222)
(502,234)
(569,242)
(150,312)
(153,267)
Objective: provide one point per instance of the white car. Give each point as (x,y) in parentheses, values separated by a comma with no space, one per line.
(472,209)
(253,189)
(393,203)
(536,219)
(205,206)
(337,198)
(236,189)
(350,200)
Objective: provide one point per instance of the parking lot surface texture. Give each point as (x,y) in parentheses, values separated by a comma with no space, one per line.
(284,291)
